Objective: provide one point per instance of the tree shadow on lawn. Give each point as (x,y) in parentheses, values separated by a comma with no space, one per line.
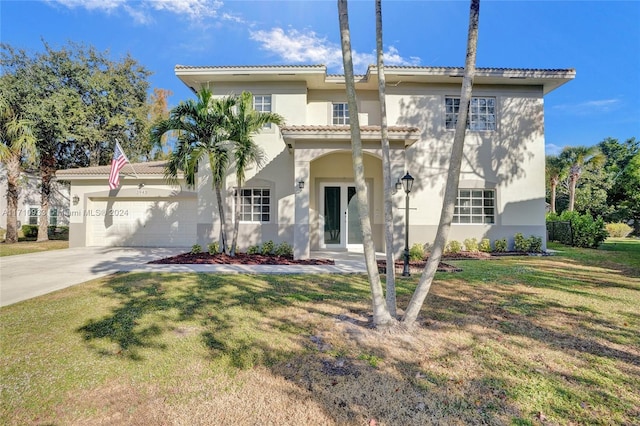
(460,366)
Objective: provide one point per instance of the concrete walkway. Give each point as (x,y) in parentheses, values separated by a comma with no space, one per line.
(26,276)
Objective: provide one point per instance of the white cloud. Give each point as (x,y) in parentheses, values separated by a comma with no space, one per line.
(595,106)
(295,46)
(552,149)
(140,11)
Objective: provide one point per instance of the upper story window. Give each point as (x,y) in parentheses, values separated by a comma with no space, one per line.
(340,114)
(482,113)
(475,206)
(262,103)
(255,205)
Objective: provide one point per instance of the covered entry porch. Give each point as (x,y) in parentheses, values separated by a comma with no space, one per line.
(326,214)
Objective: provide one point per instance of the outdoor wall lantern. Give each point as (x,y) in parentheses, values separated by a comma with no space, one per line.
(301,184)
(398,186)
(76,200)
(407,184)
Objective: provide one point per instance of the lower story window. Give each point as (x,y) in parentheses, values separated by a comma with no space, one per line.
(475,206)
(255,205)
(34,216)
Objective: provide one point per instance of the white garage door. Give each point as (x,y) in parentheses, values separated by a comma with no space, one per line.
(142,223)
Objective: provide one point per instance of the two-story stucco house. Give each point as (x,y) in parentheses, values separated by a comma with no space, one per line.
(28,211)
(304,194)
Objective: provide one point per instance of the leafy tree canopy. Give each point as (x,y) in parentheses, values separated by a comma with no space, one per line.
(80,101)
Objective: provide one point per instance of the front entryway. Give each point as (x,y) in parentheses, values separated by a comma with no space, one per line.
(339,219)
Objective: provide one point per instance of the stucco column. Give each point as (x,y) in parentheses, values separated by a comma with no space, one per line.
(301,246)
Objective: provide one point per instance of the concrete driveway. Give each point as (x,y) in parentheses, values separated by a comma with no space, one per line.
(29,275)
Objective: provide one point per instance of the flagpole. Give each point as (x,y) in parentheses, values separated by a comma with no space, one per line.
(127,158)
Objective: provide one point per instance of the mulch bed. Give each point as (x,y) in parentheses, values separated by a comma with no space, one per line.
(238,259)
(415,267)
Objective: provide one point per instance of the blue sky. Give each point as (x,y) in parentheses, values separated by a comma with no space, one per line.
(599,39)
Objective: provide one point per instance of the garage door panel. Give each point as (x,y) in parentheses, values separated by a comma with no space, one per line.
(142,223)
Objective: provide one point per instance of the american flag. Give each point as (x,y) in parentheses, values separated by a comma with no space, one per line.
(118,162)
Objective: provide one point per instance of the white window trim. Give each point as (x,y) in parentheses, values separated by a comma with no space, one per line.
(343,118)
(495,114)
(483,207)
(269,128)
(252,188)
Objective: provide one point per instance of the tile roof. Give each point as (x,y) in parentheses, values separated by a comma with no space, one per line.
(333,128)
(148,168)
(223,67)
(432,69)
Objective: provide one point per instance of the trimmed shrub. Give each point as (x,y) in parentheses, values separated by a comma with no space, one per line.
(416,252)
(30,231)
(485,245)
(196,248)
(520,243)
(253,250)
(535,244)
(213,248)
(501,245)
(267,247)
(583,230)
(284,249)
(58,232)
(453,247)
(618,230)
(471,244)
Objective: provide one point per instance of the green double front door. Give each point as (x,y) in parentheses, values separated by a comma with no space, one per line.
(340,221)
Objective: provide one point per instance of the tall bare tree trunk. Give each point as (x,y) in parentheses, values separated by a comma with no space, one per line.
(386,170)
(47,172)
(554,187)
(13,194)
(453,176)
(223,222)
(381,314)
(573,181)
(236,223)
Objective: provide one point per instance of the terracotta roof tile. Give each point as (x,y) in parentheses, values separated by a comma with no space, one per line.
(333,128)
(148,168)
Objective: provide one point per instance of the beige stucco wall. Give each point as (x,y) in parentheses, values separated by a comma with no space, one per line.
(509,159)
(97,202)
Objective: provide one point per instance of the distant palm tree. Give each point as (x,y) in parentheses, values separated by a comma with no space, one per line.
(243,124)
(202,129)
(556,169)
(16,144)
(577,157)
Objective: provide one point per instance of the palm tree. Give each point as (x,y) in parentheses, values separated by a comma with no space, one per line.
(386,169)
(556,170)
(16,144)
(577,157)
(381,314)
(453,175)
(202,129)
(244,123)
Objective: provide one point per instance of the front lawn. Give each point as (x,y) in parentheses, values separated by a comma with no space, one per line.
(24,247)
(518,340)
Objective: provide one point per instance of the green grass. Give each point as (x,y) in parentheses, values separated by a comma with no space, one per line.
(507,341)
(24,247)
